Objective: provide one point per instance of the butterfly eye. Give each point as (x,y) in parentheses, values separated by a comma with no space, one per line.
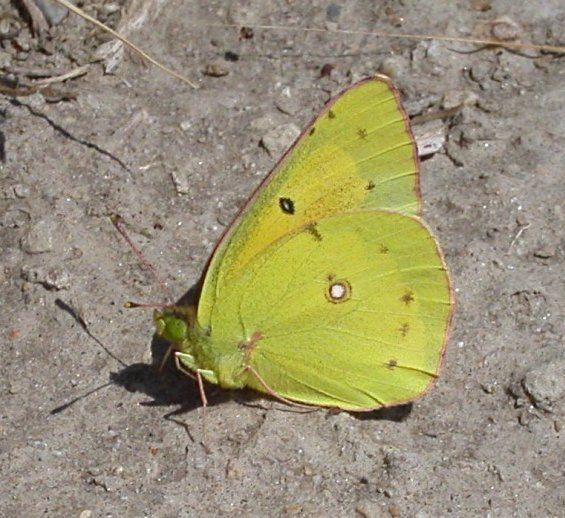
(338,291)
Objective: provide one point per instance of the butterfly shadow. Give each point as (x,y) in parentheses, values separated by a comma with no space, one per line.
(396,414)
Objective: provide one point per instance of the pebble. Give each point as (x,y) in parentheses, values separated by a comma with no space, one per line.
(39,238)
(50,278)
(215,70)
(287,104)
(456,98)
(5,60)
(505,29)
(430,137)
(277,141)
(545,252)
(368,509)
(181,181)
(21,190)
(481,72)
(394,67)
(545,385)
(54,13)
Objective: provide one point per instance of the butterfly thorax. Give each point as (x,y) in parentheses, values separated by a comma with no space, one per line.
(196,349)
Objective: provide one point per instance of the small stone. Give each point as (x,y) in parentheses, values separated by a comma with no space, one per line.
(545,252)
(545,385)
(368,509)
(21,191)
(505,29)
(430,137)
(5,60)
(481,5)
(181,181)
(87,513)
(53,12)
(488,388)
(287,104)
(215,70)
(456,98)
(293,509)
(233,470)
(23,41)
(39,238)
(481,72)
(394,67)
(277,141)
(326,70)
(50,278)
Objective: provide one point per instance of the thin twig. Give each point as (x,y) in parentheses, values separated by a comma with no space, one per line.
(407,36)
(71,74)
(518,234)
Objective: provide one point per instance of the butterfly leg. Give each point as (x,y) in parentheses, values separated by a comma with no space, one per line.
(187,358)
(166,356)
(201,389)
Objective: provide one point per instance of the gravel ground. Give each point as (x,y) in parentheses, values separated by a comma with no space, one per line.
(89,428)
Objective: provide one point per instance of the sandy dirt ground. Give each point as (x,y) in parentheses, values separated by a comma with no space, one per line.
(90,429)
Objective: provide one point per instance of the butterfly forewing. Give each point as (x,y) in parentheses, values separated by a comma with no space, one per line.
(358,153)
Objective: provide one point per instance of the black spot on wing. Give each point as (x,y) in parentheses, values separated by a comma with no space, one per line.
(331,114)
(286,205)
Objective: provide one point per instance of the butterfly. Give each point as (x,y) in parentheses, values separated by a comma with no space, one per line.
(328,289)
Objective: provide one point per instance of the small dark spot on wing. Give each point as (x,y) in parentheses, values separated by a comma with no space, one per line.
(404,328)
(312,228)
(362,132)
(370,186)
(392,363)
(331,114)
(312,130)
(408,297)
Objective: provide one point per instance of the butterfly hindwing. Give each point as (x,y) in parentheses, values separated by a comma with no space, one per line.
(351,313)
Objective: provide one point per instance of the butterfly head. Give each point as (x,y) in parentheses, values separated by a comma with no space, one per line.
(173,323)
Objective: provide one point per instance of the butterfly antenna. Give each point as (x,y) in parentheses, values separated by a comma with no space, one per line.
(118,223)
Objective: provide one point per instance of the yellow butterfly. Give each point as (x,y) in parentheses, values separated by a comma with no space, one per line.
(327,289)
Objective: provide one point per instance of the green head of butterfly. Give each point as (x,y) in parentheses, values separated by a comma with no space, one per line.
(170,326)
